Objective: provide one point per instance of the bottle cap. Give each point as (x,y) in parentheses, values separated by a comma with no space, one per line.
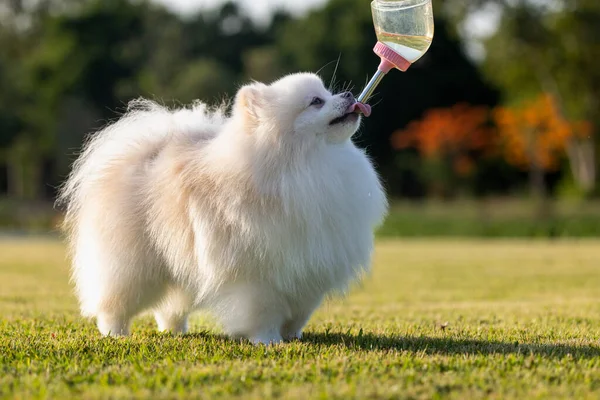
(390,59)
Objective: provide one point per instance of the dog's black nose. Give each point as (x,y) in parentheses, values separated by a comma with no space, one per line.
(347,95)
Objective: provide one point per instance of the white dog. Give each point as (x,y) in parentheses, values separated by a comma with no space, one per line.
(256,216)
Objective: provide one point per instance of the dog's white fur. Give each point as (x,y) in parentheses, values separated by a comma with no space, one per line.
(255,216)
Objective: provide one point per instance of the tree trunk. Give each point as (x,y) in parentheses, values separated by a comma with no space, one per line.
(537,182)
(581,154)
(582,158)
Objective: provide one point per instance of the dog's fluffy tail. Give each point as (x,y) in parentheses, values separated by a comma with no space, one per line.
(142,130)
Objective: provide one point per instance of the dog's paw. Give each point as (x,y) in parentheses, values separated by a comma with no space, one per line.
(266,339)
(290,336)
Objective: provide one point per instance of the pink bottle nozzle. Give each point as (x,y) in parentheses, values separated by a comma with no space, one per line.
(390,59)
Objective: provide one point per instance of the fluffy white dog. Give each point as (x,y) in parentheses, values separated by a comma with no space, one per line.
(255,216)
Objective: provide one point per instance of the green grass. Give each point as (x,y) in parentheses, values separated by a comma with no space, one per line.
(505,218)
(497,218)
(437,319)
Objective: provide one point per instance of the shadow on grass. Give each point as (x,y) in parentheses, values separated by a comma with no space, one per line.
(448,346)
(421,344)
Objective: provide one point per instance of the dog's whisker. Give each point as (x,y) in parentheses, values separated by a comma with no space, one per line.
(324,66)
(337,64)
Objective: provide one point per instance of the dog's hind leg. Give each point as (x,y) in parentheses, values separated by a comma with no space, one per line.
(172,313)
(118,303)
(292,328)
(252,311)
(115,280)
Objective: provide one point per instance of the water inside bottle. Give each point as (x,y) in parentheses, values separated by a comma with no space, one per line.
(406,26)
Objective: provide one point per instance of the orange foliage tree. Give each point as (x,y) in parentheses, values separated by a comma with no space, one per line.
(533,134)
(452,139)
(454,133)
(535,137)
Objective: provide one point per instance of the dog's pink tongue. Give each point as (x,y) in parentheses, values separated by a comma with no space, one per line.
(359,108)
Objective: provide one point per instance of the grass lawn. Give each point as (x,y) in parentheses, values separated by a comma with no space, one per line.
(437,319)
(500,218)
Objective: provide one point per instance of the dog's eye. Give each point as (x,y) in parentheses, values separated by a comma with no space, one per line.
(317,101)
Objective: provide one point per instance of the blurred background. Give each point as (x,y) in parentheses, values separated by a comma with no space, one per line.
(494,132)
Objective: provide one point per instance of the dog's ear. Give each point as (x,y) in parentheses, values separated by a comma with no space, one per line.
(250,102)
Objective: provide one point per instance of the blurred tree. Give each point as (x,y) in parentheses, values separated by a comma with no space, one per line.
(262,64)
(205,79)
(208,55)
(535,137)
(84,62)
(25,135)
(173,73)
(451,141)
(67,66)
(553,48)
(10,123)
(223,34)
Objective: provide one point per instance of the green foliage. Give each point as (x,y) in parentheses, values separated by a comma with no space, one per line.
(12,120)
(540,48)
(537,49)
(68,66)
(492,219)
(205,79)
(10,123)
(437,319)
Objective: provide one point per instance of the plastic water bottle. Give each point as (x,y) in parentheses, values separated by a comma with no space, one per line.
(404,31)
(405,26)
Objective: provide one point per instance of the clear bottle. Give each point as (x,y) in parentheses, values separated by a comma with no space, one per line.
(406,26)
(404,31)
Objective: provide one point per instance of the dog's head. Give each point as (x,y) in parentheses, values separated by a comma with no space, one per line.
(298,110)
